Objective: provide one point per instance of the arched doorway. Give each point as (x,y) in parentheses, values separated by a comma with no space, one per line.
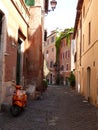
(88,82)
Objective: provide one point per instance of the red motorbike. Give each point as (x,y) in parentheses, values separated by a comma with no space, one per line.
(19,100)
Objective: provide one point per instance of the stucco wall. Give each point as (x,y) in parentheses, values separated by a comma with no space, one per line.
(89,52)
(13,23)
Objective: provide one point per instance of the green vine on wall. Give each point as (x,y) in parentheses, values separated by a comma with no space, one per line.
(57,44)
(60,35)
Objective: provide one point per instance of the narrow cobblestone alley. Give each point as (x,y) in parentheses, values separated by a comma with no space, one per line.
(59,108)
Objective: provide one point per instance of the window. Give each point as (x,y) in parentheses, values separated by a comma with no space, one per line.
(51,64)
(66,66)
(52,39)
(45,35)
(48,42)
(63,55)
(89,33)
(52,49)
(68,53)
(62,44)
(62,67)
(75,57)
(47,52)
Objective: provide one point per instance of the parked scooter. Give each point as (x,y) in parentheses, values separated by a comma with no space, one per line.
(19,100)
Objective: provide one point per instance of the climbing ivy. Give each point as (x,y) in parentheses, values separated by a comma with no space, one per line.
(60,35)
(67,35)
(57,44)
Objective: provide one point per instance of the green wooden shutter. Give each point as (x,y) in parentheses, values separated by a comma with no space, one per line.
(30,2)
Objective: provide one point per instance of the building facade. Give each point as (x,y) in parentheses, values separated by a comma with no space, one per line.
(33,53)
(13,41)
(65,60)
(86,36)
(50,57)
(21,38)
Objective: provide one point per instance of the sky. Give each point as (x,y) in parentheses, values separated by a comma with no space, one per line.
(63,16)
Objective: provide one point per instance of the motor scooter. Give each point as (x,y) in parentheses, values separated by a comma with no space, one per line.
(19,101)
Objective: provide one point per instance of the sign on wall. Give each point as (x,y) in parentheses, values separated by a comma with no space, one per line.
(30,2)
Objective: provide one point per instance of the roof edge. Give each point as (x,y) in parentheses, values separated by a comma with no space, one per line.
(79,7)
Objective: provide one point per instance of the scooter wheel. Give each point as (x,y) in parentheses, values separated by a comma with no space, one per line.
(15,110)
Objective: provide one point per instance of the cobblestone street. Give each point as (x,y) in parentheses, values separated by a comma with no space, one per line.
(59,108)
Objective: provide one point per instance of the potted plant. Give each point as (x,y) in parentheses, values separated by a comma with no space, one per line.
(45,85)
(72,80)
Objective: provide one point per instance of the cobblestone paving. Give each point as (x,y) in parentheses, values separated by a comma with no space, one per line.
(59,108)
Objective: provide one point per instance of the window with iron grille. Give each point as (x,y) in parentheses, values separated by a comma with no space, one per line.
(52,49)
(62,67)
(52,39)
(75,57)
(67,66)
(89,33)
(51,64)
(47,52)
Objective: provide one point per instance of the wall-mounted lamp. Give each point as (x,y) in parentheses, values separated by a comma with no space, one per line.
(53,4)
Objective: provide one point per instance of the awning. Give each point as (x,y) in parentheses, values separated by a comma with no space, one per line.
(30,2)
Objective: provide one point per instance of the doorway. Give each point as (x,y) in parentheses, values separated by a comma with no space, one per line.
(88,82)
(50,78)
(19,62)
(79,82)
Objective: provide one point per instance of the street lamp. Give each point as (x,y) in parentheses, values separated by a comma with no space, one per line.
(53,4)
